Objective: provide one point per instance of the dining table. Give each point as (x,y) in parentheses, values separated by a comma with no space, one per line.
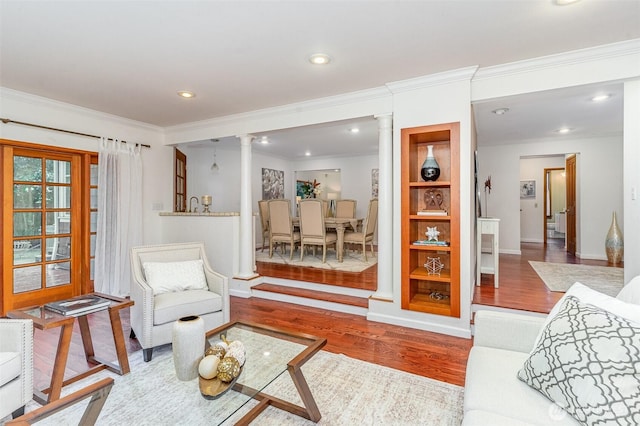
(339,224)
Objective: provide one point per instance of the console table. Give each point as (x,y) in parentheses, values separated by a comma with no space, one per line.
(487,263)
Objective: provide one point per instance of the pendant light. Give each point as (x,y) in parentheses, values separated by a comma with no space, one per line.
(214,167)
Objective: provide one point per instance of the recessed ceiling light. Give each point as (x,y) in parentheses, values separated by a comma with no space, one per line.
(264,140)
(600,98)
(564,130)
(354,130)
(500,111)
(565,2)
(308,154)
(319,59)
(186,94)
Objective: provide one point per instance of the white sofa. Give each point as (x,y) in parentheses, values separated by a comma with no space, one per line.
(16,365)
(503,341)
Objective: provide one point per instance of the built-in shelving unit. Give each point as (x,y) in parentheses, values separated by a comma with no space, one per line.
(435,292)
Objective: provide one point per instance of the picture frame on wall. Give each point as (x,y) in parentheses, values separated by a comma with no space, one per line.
(272,184)
(527,189)
(374,182)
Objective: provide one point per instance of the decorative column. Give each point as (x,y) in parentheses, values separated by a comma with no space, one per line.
(385,208)
(247,248)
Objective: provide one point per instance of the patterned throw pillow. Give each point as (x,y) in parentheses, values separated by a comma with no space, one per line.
(588,362)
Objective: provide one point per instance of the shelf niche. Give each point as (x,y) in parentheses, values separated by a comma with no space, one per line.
(423,292)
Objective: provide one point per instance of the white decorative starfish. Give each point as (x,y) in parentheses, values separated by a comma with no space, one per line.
(432,233)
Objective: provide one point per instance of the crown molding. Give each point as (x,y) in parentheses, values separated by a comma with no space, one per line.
(453,76)
(7,94)
(608,51)
(295,108)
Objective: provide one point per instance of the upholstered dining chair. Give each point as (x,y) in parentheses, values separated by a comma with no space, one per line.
(312,230)
(16,366)
(171,281)
(325,208)
(346,208)
(263,208)
(368,229)
(280,226)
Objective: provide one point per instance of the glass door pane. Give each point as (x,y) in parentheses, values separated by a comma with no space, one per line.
(42,239)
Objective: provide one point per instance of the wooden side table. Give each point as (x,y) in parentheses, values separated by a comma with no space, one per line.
(487,263)
(44,319)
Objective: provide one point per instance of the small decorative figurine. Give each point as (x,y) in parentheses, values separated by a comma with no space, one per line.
(432,233)
(433,266)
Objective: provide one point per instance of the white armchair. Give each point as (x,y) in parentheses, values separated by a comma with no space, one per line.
(154,311)
(16,366)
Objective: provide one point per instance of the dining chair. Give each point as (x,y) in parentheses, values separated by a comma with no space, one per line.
(346,208)
(263,209)
(368,229)
(312,229)
(280,225)
(325,208)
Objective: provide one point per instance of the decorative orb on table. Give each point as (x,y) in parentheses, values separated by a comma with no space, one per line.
(188,346)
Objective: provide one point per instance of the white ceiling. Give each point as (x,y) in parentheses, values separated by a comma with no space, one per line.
(128,58)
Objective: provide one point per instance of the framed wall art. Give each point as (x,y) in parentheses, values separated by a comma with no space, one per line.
(527,189)
(272,184)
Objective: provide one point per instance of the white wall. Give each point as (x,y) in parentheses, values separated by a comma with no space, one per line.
(599,188)
(157,161)
(355,174)
(443,98)
(532,214)
(631,165)
(224,186)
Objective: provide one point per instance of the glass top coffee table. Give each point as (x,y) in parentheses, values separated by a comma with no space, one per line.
(269,353)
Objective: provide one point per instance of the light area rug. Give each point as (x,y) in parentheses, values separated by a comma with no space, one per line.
(347,391)
(561,276)
(353,261)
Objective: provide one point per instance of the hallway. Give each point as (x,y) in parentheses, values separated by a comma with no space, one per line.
(520,287)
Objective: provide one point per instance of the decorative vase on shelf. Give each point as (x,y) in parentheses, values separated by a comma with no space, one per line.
(188,346)
(614,244)
(430,169)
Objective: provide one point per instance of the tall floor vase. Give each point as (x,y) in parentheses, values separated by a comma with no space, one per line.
(188,346)
(614,244)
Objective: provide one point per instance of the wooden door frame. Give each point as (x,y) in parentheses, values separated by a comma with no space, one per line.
(544,209)
(80,274)
(573,228)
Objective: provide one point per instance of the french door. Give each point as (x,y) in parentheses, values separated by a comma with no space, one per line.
(46,225)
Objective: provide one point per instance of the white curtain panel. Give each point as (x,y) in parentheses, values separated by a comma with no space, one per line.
(119,215)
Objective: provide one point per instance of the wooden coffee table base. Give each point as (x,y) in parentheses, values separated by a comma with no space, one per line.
(299,349)
(310,413)
(44,320)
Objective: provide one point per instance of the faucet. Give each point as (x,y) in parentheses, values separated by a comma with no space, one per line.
(196,209)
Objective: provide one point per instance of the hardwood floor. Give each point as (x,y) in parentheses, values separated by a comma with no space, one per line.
(432,355)
(520,287)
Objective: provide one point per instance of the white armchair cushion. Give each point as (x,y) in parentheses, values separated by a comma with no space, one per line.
(169,306)
(10,366)
(168,277)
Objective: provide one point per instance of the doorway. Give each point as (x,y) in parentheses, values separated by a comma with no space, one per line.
(555,202)
(46,233)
